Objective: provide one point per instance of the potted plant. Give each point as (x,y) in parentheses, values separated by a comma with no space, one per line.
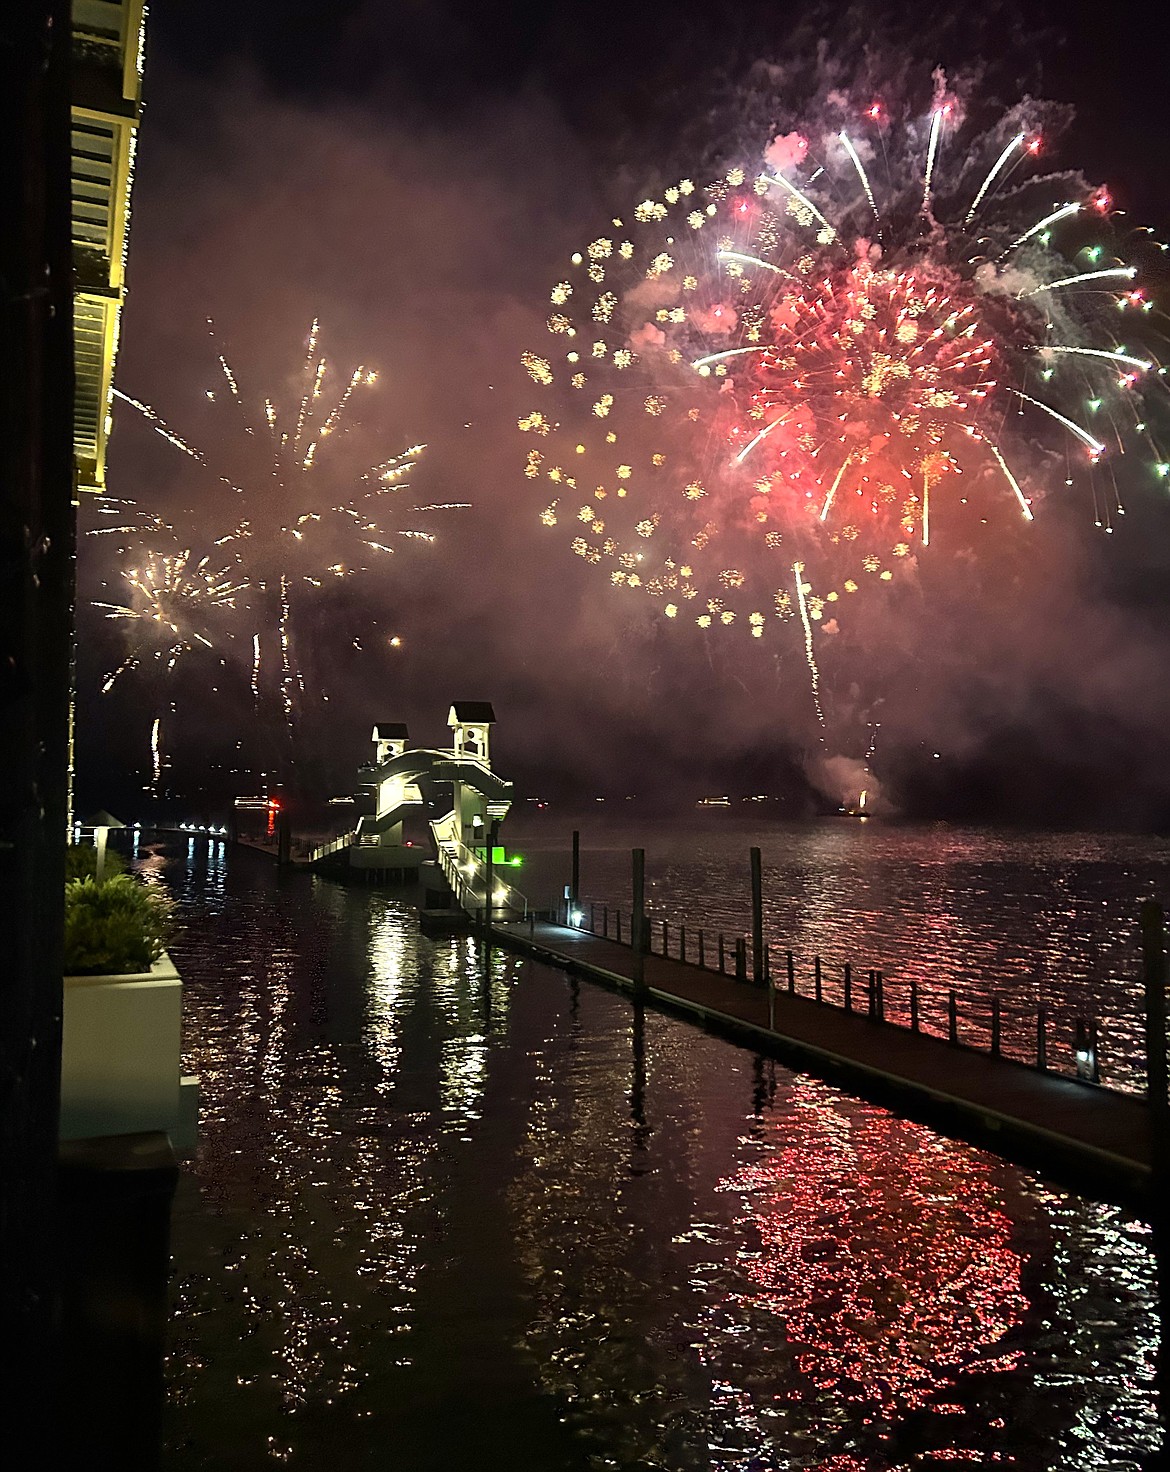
(122,1013)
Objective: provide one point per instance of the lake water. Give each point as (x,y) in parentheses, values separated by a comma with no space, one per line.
(447,1213)
(1037,919)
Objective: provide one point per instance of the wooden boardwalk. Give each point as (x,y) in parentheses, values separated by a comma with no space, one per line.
(1095,1141)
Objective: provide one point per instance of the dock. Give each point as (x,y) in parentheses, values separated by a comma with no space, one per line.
(1095,1141)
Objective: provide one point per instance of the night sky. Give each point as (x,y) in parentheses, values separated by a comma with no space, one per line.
(413,174)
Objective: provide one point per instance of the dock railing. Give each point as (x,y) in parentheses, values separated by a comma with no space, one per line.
(334,846)
(462,867)
(1048,1039)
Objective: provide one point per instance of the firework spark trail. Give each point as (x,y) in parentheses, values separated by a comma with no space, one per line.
(993,174)
(860,167)
(833,489)
(1095,445)
(1055,217)
(155,756)
(809,653)
(804,200)
(932,150)
(1127,272)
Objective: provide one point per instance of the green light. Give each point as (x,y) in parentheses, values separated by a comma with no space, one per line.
(1046,374)
(1094,405)
(515,861)
(1093,252)
(1045,237)
(1162,470)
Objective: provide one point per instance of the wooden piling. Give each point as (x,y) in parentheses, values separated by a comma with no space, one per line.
(741,958)
(996,1035)
(682,942)
(638,919)
(702,957)
(913,1004)
(605,921)
(722,958)
(665,942)
(848,987)
(1041,1038)
(817,993)
(618,926)
(757,918)
(952,1017)
(791,972)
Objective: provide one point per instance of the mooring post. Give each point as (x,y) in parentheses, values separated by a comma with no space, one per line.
(913,1004)
(575,883)
(995,1027)
(848,987)
(1041,1038)
(741,958)
(638,919)
(817,978)
(757,919)
(952,1017)
(791,971)
(1154,977)
(722,957)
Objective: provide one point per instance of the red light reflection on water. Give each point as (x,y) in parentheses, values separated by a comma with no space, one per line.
(884,1252)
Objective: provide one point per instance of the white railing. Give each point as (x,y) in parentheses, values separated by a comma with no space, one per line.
(334,847)
(462,867)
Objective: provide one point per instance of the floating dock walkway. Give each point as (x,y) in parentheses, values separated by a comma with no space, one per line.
(1096,1141)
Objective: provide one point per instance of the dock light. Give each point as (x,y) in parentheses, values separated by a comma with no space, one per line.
(575,917)
(499,896)
(1085,1052)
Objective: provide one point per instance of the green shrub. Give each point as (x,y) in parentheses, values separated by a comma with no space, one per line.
(120,925)
(81,861)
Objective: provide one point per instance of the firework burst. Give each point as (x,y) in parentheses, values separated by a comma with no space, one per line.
(293,500)
(173,606)
(763,397)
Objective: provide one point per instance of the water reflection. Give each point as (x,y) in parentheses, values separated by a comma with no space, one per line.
(451,1207)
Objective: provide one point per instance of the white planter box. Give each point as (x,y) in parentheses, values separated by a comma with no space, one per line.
(120,1057)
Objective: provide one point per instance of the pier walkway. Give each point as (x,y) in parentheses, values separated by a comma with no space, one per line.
(1094,1140)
